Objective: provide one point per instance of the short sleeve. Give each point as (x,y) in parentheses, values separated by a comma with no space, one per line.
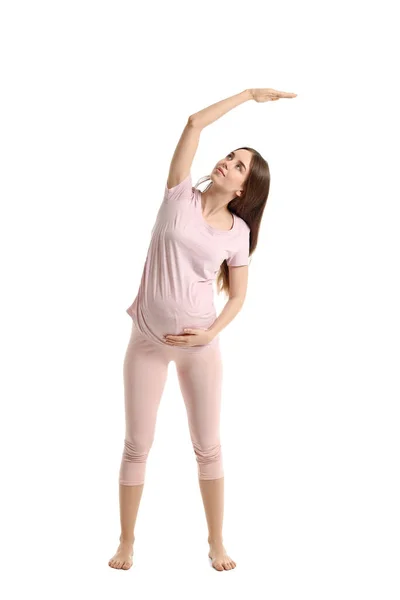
(182,191)
(240,256)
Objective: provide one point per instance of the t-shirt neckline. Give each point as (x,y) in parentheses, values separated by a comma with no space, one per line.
(208,226)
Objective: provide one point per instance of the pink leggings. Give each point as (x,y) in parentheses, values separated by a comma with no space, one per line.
(200,377)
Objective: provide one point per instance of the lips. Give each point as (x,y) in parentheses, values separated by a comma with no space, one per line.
(221,171)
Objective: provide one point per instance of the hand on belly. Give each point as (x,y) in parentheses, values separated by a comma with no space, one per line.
(189,337)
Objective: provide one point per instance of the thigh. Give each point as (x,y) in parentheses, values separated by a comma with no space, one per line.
(200,381)
(145,372)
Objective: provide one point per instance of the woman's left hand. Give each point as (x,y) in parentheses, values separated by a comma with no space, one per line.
(190,337)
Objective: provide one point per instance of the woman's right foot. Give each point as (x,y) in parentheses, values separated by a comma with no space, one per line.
(122,559)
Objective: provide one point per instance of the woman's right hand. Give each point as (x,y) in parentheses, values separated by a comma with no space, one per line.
(269,94)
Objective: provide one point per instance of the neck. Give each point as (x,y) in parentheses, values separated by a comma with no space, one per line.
(214,202)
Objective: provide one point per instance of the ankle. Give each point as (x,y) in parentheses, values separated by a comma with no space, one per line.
(126,540)
(215,539)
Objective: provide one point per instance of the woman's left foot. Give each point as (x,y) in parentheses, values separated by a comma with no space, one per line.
(220,560)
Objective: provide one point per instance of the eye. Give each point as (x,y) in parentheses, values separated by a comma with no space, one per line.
(238,165)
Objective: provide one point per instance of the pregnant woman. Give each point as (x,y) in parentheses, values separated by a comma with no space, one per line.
(198,238)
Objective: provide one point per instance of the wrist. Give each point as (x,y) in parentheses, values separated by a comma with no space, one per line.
(249,94)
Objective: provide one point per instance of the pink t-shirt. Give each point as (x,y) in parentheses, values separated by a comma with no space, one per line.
(183,259)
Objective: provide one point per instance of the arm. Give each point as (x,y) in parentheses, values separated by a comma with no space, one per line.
(238,278)
(183,156)
(188,143)
(210,114)
(215,111)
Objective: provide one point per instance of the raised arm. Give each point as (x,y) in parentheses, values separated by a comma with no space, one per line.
(215,111)
(183,156)
(208,115)
(185,151)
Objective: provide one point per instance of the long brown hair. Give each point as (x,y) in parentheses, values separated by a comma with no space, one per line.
(249,207)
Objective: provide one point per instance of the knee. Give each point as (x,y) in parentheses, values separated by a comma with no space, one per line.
(133,464)
(209,457)
(209,461)
(207,454)
(136,451)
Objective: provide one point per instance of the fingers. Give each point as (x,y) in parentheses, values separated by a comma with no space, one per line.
(282,96)
(178,340)
(285,94)
(278,93)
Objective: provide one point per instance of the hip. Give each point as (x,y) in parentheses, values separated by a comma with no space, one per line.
(153,333)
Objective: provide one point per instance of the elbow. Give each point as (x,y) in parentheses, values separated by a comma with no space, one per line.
(193,122)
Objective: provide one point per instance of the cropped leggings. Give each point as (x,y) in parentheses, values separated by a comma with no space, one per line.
(200,377)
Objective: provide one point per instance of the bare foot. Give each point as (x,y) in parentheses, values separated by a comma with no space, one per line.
(122,559)
(219,558)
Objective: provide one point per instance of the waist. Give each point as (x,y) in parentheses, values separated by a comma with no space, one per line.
(201,307)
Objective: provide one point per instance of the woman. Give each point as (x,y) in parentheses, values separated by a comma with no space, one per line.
(198,238)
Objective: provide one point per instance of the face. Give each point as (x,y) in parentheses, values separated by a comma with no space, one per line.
(236,169)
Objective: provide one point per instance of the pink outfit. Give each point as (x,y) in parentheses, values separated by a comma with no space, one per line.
(200,379)
(184,256)
(176,291)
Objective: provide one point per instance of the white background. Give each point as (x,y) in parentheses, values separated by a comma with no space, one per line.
(94,99)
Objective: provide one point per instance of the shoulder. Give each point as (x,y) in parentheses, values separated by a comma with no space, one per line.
(181,191)
(243,227)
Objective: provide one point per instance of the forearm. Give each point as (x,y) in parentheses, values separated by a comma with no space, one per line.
(215,111)
(228,313)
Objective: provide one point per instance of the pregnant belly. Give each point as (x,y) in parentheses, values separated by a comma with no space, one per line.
(159,319)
